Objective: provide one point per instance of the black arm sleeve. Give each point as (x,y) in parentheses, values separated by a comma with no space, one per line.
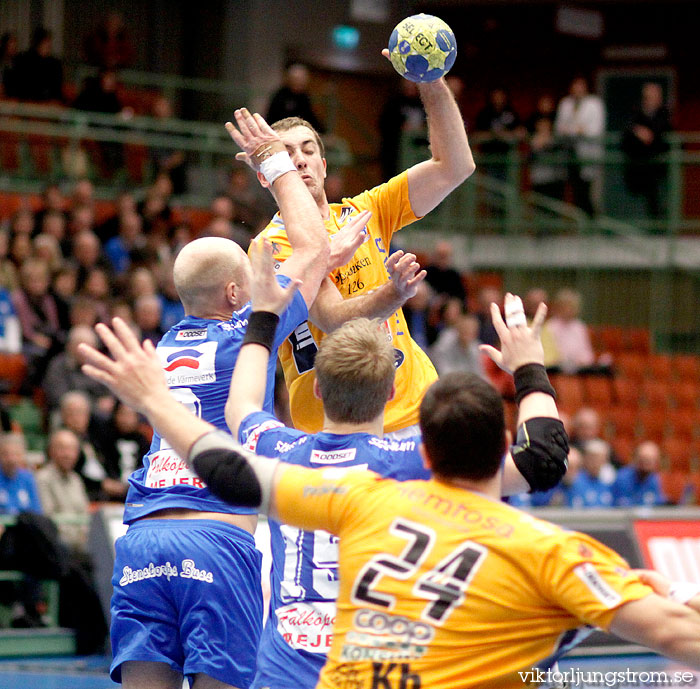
(229,476)
(541,452)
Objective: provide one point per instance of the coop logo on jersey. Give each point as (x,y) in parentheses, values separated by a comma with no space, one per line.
(399,357)
(198,334)
(185,366)
(333,456)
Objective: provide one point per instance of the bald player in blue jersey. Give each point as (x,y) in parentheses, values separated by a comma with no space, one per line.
(186,551)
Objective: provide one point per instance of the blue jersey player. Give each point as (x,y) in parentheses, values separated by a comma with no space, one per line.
(354,379)
(187,598)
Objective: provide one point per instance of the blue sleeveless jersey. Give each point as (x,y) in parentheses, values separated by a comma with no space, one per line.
(304,578)
(198,357)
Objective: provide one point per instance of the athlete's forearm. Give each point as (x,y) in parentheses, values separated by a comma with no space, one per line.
(446,131)
(330,310)
(248,385)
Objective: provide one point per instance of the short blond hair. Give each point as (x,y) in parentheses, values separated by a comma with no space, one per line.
(355,368)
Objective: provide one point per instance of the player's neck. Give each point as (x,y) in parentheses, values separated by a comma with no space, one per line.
(323,207)
(491,488)
(374,427)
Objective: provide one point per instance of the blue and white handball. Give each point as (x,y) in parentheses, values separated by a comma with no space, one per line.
(422,48)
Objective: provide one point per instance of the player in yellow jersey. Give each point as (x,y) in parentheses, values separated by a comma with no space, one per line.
(393,205)
(441,585)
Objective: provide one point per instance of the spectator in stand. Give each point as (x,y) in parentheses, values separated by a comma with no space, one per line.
(10,330)
(38,317)
(99,94)
(75,414)
(52,202)
(417,313)
(402,114)
(82,219)
(172,309)
(441,274)
(22,222)
(110,227)
(165,160)
(53,223)
(253,204)
(129,239)
(8,54)
(87,255)
(63,290)
(638,483)
(592,486)
(643,141)
(547,176)
(571,336)
(61,490)
(140,283)
(292,98)
(487,333)
(97,288)
(122,442)
(457,348)
(580,121)
(9,278)
(584,426)
(20,249)
(500,127)
(64,371)
(147,315)
(39,75)
(220,227)
(531,301)
(18,492)
(109,45)
(545,109)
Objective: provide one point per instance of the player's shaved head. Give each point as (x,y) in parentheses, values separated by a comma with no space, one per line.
(204,267)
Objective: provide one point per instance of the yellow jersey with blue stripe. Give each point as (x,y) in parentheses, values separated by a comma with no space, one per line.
(391,210)
(446,588)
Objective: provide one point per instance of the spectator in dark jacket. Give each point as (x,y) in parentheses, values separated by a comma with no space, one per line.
(39,75)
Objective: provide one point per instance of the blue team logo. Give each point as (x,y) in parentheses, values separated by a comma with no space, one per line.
(399,357)
(183,357)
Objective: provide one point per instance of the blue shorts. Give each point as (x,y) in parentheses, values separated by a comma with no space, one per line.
(187,593)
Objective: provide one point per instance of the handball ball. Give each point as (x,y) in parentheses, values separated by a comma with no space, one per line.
(422,48)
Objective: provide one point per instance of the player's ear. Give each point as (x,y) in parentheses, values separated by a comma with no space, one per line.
(263,182)
(231,293)
(424,456)
(317,390)
(392,393)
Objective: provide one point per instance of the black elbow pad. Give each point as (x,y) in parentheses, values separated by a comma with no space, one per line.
(541,452)
(229,476)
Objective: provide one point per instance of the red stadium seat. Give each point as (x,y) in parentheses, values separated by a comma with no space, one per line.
(13,369)
(637,340)
(677,454)
(599,391)
(623,421)
(682,423)
(627,392)
(659,366)
(611,338)
(632,366)
(656,394)
(687,367)
(623,446)
(685,395)
(652,425)
(674,485)
(570,393)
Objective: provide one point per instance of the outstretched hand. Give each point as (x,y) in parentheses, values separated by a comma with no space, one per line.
(405,273)
(134,373)
(520,343)
(267,293)
(252,133)
(348,240)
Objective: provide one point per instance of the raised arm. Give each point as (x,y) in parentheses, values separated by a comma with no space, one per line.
(451,160)
(330,310)
(264,151)
(538,459)
(269,300)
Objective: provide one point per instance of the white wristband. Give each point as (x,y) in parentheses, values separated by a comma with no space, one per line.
(276,165)
(683,591)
